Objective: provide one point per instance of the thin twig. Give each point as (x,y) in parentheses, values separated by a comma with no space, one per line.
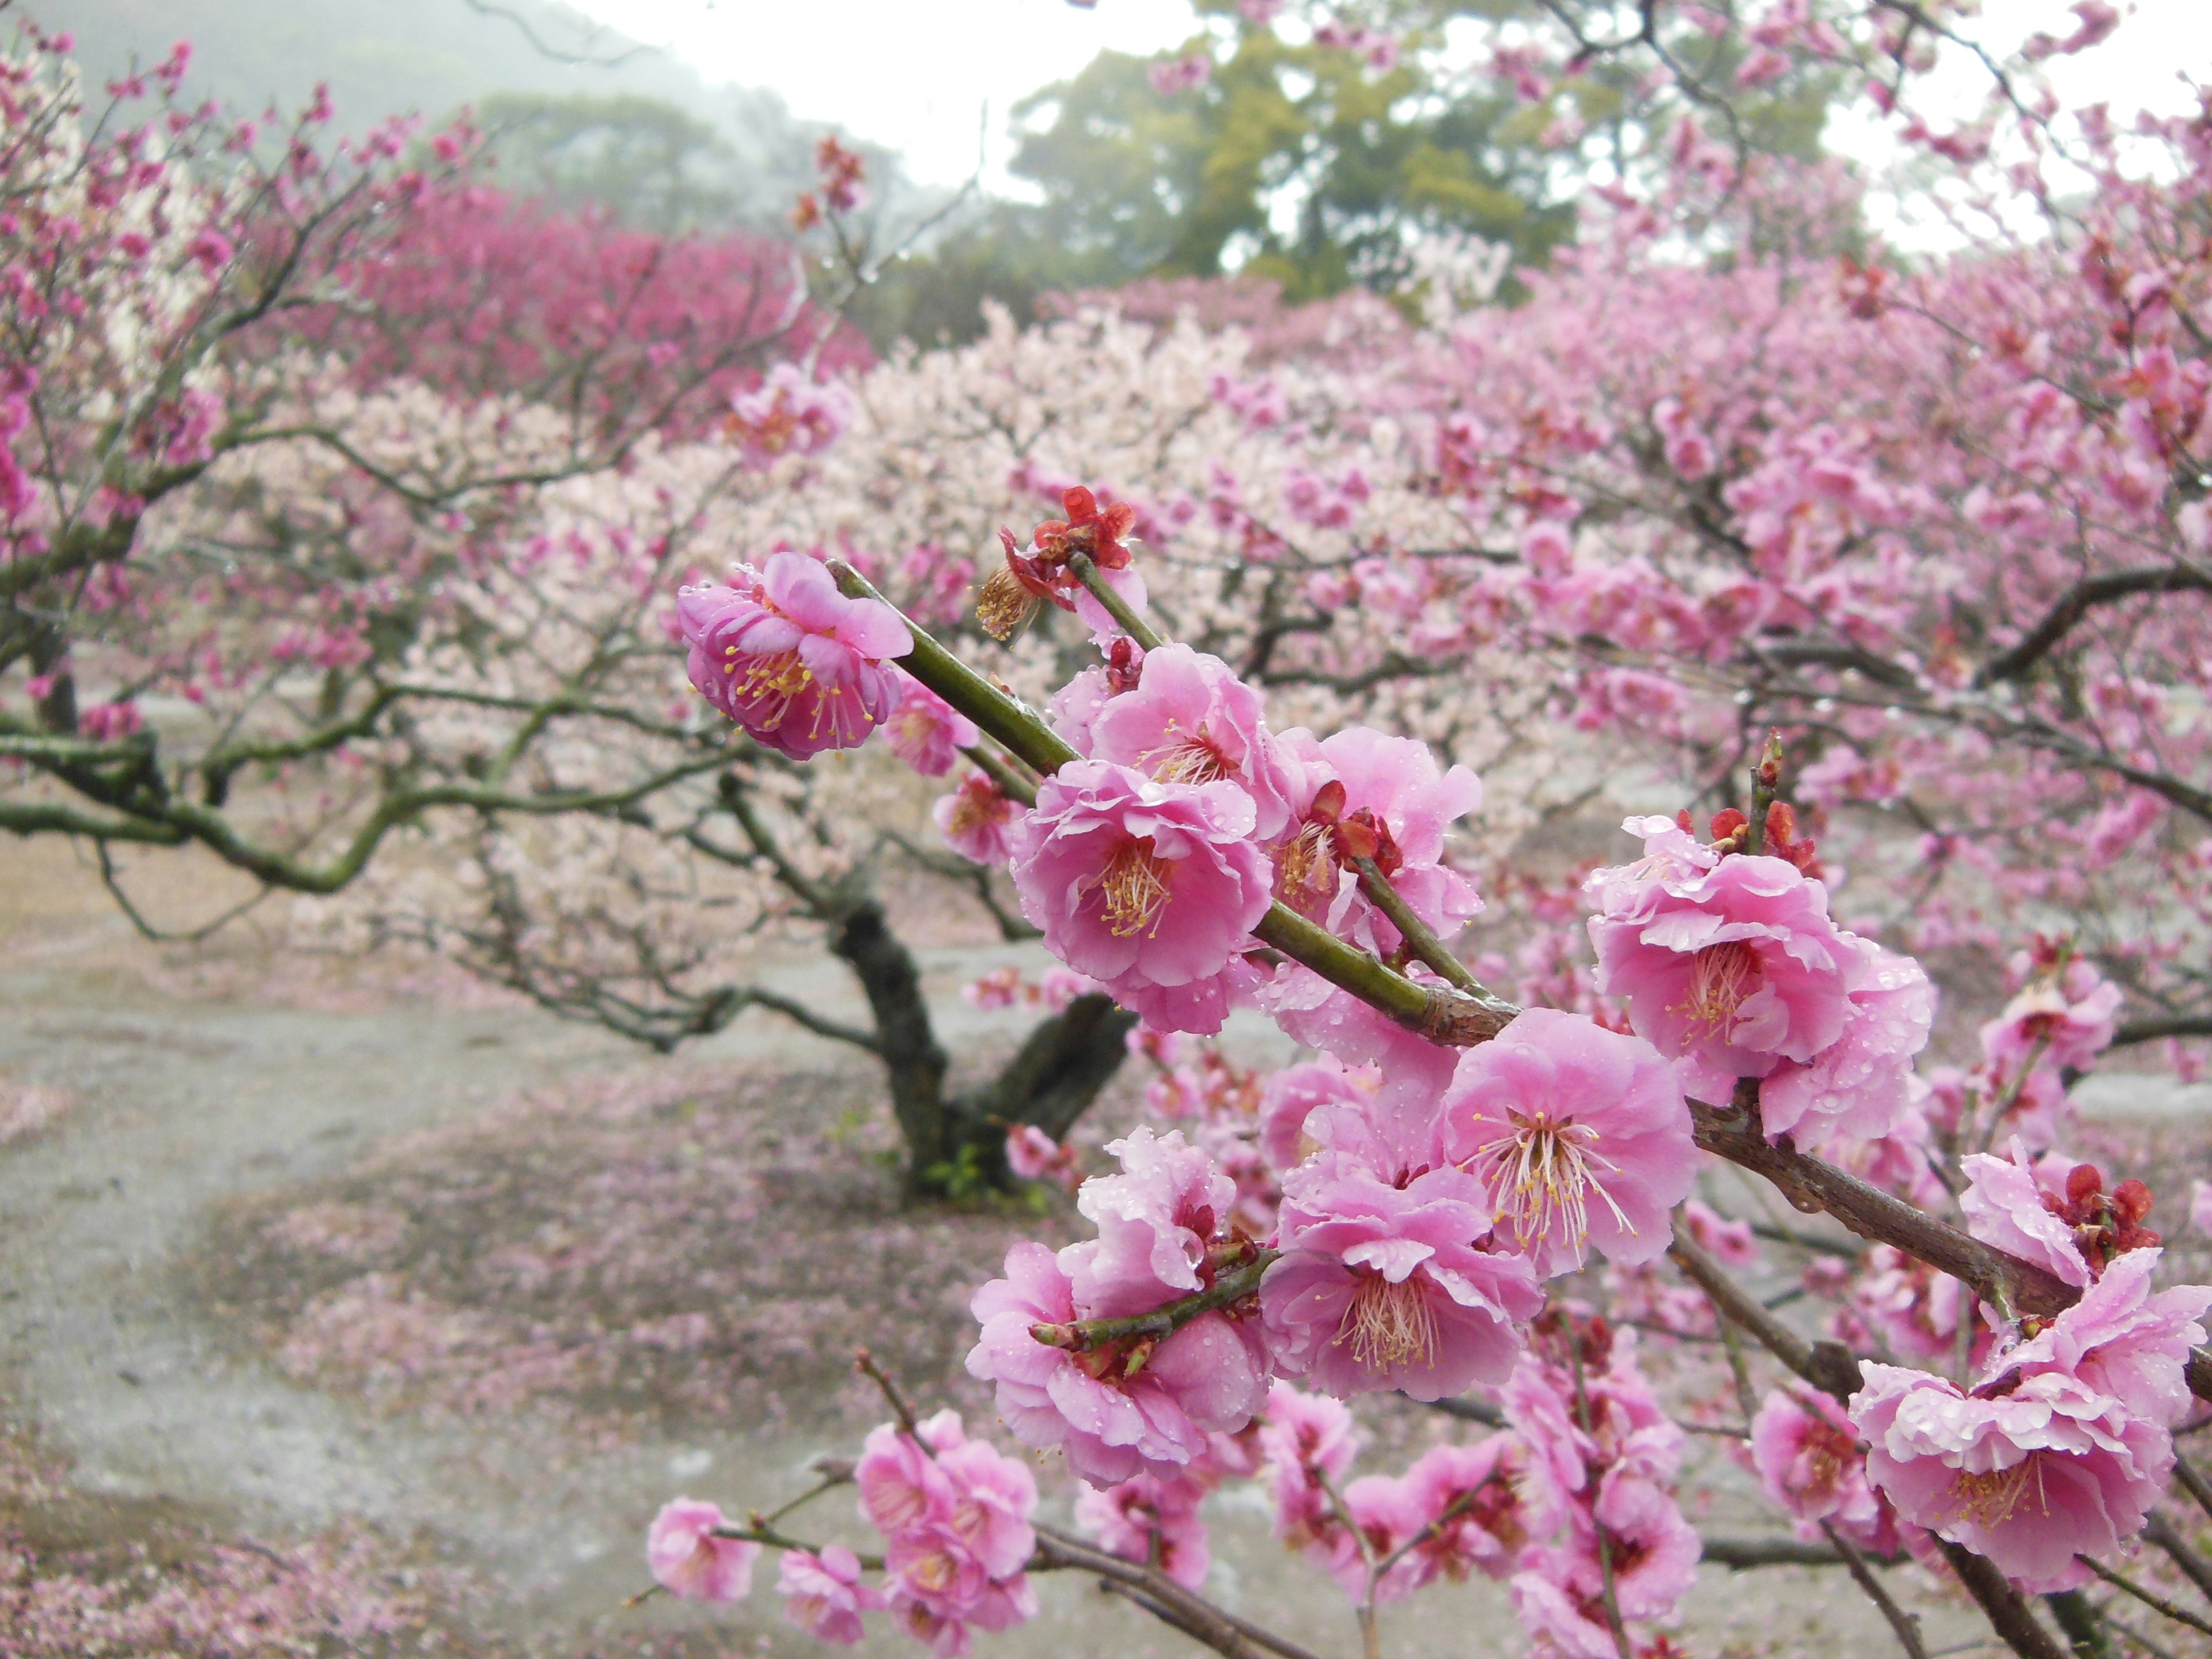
(1905,1624)
(2150,1599)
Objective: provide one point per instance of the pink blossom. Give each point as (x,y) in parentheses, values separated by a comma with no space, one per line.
(1731,965)
(822,1594)
(1169,76)
(1135,881)
(1579,1135)
(1289,1097)
(1380,1285)
(1155,1220)
(1807,1459)
(1315,1012)
(1859,1087)
(1654,1550)
(1309,1441)
(789,413)
(2123,1340)
(2063,1021)
(1199,1006)
(1112,1420)
(940,1596)
(790,659)
(1035,1156)
(2200,1207)
(2005,1207)
(901,1487)
(1059,986)
(1625,1428)
(690,1562)
(1391,788)
(2031,1478)
(973,819)
(1731,1243)
(1152,1520)
(1365,793)
(1463,1505)
(1558,1620)
(924,730)
(1916,1309)
(993,1497)
(105,722)
(1190,719)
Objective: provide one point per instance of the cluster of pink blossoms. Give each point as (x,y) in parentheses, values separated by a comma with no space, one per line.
(1146,1403)
(1384,1217)
(1578,1486)
(1729,962)
(2064,1441)
(954,1517)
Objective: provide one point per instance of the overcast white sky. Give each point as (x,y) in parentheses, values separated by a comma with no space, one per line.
(914,75)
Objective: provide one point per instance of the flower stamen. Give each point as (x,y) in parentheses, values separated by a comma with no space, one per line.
(1721,977)
(1988,1499)
(1540,1172)
(1135,890)
(1189,758)
(1389,1323)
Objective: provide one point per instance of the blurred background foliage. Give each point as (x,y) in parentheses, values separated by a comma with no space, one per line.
(1305,166)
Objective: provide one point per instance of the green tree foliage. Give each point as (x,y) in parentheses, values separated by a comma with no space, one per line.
(1308,165)
(1294,163)
(661,167)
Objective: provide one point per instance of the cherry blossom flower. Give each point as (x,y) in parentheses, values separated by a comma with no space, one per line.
(1152,1520)
(1579,1136)
(1138,882)
(1729,963)
(2123,1340)
(1652,1550)
(1190,719)
(925,732)
(790,413)
(1458,1508)
(1113,1418)
(1383,797)
(1557,1619)
(790,659)
(973,819)
(956,1513)
(1859,1087)
(1290,1097)
(1013,593)
(1199,1006)
(1155,1220)
(822,1594)
(2063,1020)
(1381,1286)
(1307,1442)
(1731,1243)
(1169,76)
(1808,1461)
(1035,1156)
(1915,1309)
(2055,1213)
(2033,1478)
(690,1562)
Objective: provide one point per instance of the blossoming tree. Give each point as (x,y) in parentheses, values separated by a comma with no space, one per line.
(377,510)
(1994,1383)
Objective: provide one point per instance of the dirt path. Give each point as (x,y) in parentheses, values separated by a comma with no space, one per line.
(185,1105)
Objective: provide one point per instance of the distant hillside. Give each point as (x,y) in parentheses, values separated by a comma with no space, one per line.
(432,57)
